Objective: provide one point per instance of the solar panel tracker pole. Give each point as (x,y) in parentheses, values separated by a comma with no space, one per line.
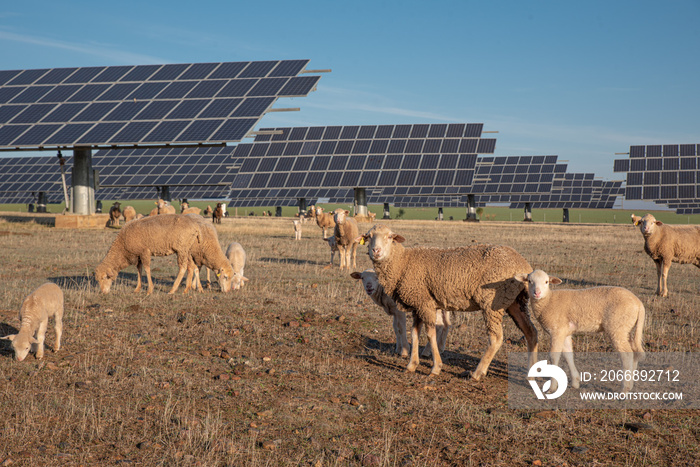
(165,194)
(83,187)
(387,213)
(360,202)
(471,209)
(528,213)
(566,215)
(302,206)
(41,203)
(439,214)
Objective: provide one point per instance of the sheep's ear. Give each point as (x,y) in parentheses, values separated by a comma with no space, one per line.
(397,238)
(554,280)
(33,340)
(11,337)
(636,222)
(659,223)
(244,279)
(522,277)
(361,239)
(355,275)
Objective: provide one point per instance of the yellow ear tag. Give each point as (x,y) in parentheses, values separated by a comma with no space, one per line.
(218,274)
(362,241)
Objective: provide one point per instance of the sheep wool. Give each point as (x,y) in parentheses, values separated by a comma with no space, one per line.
(324,221)
(207,252)
(236,255)
(346,237)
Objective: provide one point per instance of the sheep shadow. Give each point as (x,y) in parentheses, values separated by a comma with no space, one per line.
(74,282)
(6,346)
(289,261)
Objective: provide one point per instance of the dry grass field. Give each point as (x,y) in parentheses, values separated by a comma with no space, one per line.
(296,368)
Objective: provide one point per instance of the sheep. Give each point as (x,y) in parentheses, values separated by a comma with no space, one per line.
(346,237)
(324,220)
(208,211)
(236,256)
(376,292)
(635,219)
(160,235)
(478,277)
(164,207)
(192,210)
(372,216)
(154,212)
(184,205)
(115,213)
(208,253)
(563,312)
(297,229)
(139,216)
(129,214)
(218,214)
(45,302)
(667,244)
(333,246)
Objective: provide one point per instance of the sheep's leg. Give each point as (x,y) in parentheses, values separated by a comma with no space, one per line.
(659,277)
(569,356)
(494,327)
(58,327)
(437,361)
(442,327)
(190,273)
(620,341)
(139,266)
(522,321)
(146,261)
(354,255)
(182,264)
(208,277)
(400,333)
(665,266)
(41,337)
(415,333)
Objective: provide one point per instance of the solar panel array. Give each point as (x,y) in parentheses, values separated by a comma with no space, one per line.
(666,174)
(142,105)
(575,190)
(328,162)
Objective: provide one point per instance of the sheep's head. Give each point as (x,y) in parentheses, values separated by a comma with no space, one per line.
(104,277)
(225,277)
(339,215)
(21,344)
(537,283)
(647,225)
(380,240)
(369,280)
(238,281)
(160,203)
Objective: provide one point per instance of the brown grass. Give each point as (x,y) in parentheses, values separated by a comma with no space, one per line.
(296,369)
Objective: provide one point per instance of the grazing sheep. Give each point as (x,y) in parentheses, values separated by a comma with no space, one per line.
(154,212)
(376,292)
(129,214)
(115,213)
(160,235)
(478,277)
(164,207)
(346,237)
(208,253)
(667,244)
(236,256)
(139,216)
(208,211)
(333,245)
(42,304)
(218,214)
(192,210)
(563,312)
(635,219)
(297,229)
(324,220)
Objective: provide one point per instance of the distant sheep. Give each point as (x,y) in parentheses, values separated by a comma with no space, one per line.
(160,235)
(297,229)
(218,213)
(333,246)
(346,237)
(129,214)
(237,257)
(115,213)
(324,220)
(184,205)
(563,312)
(192,210)
(667,244)
(374,289)
(478,277)
(208,211)
(164,207)
(635,219)
(372,216)
(42,304)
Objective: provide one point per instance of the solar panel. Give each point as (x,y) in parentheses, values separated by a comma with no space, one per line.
(152,104)
(579,191)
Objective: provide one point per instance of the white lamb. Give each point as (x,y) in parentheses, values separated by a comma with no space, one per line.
(373,288)
(613,310)
(236,255)
(297,229)
(42,304)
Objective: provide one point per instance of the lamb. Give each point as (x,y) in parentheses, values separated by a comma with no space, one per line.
(667,244)
(334,247)
(372,216)
(346,237)
(129,214)
(208,253)
(164,207)
(478,277)
(208,211)
(218,214)
(324,220)
(297,229)
(236,256)
(563,312)
(376,293)
(115,213)
(160,235)
(45,302)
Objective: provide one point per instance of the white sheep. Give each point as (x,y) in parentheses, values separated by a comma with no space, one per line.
(161,235)
(236,256)
(375,291)
(207,252)
(667,244)
(564,312)
(42,304)
(324,220)
(478,277)
(129,214)
(297,229)
(164,207)
(346,237)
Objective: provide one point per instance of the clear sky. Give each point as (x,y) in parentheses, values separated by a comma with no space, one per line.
(582,80)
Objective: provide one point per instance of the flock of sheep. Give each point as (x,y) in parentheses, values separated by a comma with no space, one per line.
(429,282)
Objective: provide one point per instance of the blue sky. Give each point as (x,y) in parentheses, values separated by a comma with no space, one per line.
(582,80)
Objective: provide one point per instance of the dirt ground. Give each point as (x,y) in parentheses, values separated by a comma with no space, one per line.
(296,368)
